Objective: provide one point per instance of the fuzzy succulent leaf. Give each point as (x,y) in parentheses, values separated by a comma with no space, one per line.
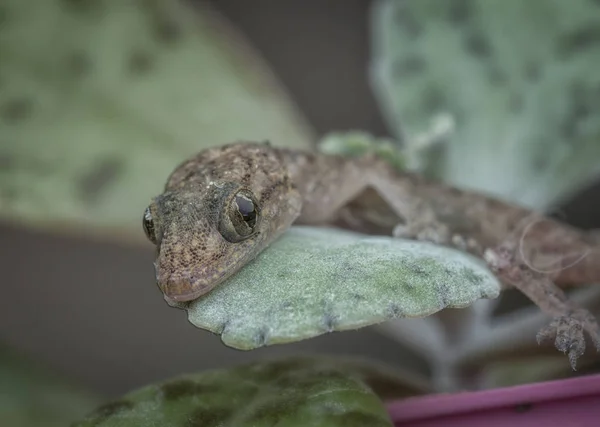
(518,78)
(101,99)
(318,280)
(309,391)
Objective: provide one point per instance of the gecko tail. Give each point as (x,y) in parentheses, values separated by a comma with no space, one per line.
(569,255)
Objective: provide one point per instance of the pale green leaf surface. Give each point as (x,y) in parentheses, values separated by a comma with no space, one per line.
(317,280)
(519,78)
(287,393)
(100,100)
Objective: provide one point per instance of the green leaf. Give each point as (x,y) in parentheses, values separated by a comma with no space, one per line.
(101,100)
(359,143)
(316,392)
(31,395)
(519,80)
(317,280)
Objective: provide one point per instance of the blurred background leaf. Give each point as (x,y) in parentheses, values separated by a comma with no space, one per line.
(102,99)
(518,80)
(33,396)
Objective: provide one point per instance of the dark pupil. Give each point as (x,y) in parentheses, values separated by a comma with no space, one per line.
(148,225)
(246,209)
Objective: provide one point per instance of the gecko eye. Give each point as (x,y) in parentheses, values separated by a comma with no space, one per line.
(148,224)
(246,209)
(240,217)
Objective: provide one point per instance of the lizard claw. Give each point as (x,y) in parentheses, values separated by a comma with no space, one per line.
(568,333)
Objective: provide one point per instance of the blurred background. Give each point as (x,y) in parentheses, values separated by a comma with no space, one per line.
(79,295)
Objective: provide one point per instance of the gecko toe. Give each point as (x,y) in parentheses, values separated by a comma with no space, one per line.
(573,356)
(568,333)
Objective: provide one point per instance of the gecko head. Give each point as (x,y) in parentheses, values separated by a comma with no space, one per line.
(205,234)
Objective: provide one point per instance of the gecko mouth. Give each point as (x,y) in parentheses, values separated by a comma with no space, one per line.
(184,287)
(183,298)
(183,290)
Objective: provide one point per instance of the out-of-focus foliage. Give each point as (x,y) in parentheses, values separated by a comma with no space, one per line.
(31,397)
(100,100)
(301,391)
(518,78)
(318,280)
(359,143)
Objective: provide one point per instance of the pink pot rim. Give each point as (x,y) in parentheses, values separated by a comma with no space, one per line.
(443,405)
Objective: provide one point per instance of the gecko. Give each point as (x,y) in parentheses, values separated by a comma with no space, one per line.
(222,207)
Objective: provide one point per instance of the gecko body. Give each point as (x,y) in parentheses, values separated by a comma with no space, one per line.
(222,207)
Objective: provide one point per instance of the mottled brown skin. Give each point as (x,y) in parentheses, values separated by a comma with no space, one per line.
(204,233)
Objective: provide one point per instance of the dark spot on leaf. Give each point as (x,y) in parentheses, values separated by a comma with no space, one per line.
(459,11)
(273,411)
(434,100)
(174,390)
(167,31)
(408,284)
(208,417)
(226,323)
(569,128)
(139,62)
(298,380)
(580,39)
(109,409)
(282,406)
(477,44)
(523,407)
(261,336)
(357,296)
(329,321)
(516,103)
(443,294)
(394,310)
(471,276)
(409,66)
(540,161)
(497,76)
(406,20)
(533,71)
(17,109)
(102,174)
(79,64)
(418,270)
(580,98)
